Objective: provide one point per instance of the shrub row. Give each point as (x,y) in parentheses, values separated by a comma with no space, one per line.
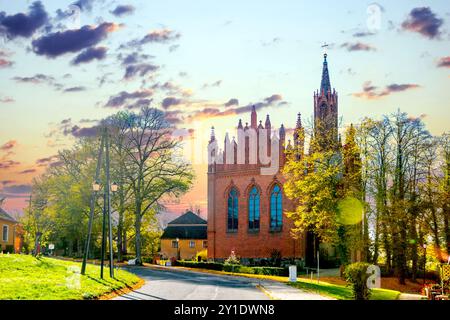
(270,271)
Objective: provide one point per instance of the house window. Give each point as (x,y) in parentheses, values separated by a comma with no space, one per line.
(233,210)
(276,209)
(5,233)
(205,244)
(191,244)
(253,209)
(174,244)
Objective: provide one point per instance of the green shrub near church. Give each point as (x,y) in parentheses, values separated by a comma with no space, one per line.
(356,275)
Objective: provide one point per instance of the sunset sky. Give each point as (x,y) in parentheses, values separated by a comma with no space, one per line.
(64,65)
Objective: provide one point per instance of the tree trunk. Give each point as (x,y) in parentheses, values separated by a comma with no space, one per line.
(137,226)
(413,247)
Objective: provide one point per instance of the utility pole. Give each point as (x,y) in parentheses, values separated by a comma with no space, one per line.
(92,209)
(108,205)
(107,188)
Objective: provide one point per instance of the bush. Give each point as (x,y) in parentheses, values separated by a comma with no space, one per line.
(202,255)
(232,259)
(356,275)
(237,268)
(201,265)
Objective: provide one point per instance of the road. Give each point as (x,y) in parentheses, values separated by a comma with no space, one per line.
(188,285)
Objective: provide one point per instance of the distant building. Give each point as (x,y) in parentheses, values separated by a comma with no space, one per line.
(184,237)
(10,233)
(246,209)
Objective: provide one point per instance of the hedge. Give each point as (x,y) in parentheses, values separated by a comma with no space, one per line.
(270,271)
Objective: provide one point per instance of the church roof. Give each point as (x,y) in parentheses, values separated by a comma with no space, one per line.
(325,84)
(189,218)
(5,216)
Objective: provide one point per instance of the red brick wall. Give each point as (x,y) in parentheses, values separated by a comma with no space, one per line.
(247,244)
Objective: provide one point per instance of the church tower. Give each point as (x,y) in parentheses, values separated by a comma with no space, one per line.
(326,112)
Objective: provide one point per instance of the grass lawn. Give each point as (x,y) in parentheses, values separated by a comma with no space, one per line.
(341,292)
(28,278)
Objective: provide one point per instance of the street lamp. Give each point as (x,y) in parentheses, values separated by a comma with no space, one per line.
(96,186)
(114,187)
(424,246)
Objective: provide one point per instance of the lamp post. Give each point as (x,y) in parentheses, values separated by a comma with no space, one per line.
(178,249)
(108,188)
(424,246)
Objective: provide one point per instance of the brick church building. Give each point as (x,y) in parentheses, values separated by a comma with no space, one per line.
(246,209)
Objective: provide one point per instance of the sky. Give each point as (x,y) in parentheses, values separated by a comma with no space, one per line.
(64,65)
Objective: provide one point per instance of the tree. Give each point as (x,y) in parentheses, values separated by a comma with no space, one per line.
(152,164)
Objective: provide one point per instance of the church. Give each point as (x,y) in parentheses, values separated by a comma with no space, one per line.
(246,209)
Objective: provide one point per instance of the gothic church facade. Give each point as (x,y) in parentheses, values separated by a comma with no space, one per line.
(246,209)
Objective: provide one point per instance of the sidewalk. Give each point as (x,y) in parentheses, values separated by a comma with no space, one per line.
(280,291)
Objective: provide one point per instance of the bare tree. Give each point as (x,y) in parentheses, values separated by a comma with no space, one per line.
(152,164)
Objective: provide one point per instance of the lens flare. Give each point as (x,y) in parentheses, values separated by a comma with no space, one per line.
(350,211)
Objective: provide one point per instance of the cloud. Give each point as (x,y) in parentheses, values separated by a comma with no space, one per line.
(141,70)
(28,171)
(17,189)
(133,58)
(5,63)
(62,42)
(11,144)
(79,132)
(363,34)
(139,104)
(122,10)
(358,46)
(7,164)
(21,24)
(444,62)
(75,89)
(212,111)
(273,98)
(36,79)
(155,36)
(423,21)
(371,92)
(6,182)
(90,54)
(46,161)
(214,84)
(122,97)
(39,78)
(6,100)
(173,116)
(232,102)
(170,101)
(85,5)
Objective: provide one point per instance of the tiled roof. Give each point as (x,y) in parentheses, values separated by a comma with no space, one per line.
(5,216)
(188,218)
(185,232)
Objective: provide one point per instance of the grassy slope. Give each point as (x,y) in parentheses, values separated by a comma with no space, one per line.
(30,278)
(341,292)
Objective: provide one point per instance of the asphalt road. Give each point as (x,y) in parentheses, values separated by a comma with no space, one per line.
(187,285)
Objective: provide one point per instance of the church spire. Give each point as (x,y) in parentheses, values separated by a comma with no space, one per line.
(299,120)
(325,85)
(213,135)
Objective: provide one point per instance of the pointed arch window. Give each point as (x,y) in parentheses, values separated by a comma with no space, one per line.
(276,208)
(232,218)
(253,209)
